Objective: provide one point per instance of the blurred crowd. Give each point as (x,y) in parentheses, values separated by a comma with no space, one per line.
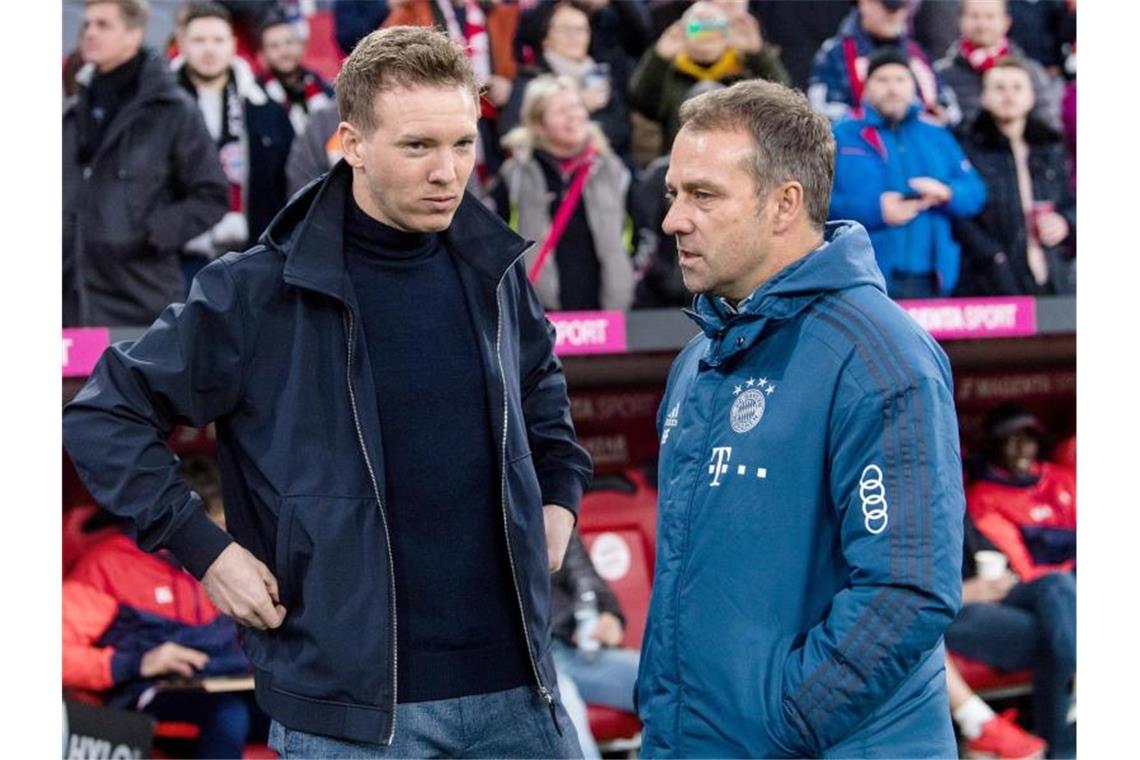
(955,126)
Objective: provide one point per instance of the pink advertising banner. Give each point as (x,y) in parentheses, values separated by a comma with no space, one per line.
(964,318)
(589,332)
(82,348)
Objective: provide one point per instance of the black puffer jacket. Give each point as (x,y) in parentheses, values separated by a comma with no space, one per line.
(994,242)
(127,213)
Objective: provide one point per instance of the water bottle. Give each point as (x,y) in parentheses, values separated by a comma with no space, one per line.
(586,617)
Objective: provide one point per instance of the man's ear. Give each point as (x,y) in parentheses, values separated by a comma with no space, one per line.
(787,206)
(352,144)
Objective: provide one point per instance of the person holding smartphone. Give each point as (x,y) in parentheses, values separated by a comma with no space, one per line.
(905,179)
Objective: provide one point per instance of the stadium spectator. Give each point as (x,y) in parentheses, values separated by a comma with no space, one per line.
(1017,245)
(316,149)
(984,25)
(289,84)
(565,53)
(135,188)
(567,189)
(131,618)
(251,133)
(706,48)
(988,734)
(905,179)
(840,68)
(601,673)
(619,33)
(1026,509)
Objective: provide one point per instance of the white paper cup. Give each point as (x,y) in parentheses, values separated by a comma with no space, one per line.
(991,564)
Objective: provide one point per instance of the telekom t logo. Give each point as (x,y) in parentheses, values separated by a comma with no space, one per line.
(719,464)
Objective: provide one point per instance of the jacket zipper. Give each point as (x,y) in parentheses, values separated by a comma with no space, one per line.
(542,690)
(348,323)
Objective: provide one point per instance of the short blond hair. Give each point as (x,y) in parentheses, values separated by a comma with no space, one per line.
(524,138)
(399,56)
(134,12)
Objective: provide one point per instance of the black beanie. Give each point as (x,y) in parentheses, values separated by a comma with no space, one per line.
(887,55)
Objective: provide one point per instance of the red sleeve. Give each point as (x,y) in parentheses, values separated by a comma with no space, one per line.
(87,612)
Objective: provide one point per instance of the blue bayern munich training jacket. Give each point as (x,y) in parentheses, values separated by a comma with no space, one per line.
(810,525)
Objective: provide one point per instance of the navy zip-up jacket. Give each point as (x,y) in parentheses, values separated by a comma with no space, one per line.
(809,533)
(269,346)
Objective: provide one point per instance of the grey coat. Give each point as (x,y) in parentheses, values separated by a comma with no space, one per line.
(153,184)
(604,202)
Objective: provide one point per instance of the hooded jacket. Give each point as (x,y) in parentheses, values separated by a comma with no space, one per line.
(809,534)
(269,345)
(144,193)
(874,156)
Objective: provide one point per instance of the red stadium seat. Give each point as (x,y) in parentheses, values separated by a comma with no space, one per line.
(618,528)
(990,683)
(1066,453)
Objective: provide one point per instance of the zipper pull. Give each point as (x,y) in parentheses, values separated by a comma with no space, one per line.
(550,704)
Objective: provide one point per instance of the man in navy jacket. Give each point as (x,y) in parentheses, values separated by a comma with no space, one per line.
(399,467)
(810,528)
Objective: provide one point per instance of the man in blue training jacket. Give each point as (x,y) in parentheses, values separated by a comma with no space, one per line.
(810,524)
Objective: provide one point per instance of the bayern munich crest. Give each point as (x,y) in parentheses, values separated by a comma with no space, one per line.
(748,408)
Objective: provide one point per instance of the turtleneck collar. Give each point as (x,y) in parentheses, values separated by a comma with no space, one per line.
(361,231)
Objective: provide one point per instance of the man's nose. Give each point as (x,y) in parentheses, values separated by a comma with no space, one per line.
(676,221)
(444,170)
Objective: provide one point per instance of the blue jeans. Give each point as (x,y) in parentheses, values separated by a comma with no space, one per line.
(605,679)
(1033,628)
(512,723)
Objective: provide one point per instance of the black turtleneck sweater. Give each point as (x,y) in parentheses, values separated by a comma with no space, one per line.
(105,97)
(458,622)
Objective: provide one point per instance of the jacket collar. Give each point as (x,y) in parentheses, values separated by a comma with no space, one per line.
(985,132)
(155,82)
(309,232)
(844,260)
(875,119)
(243,76)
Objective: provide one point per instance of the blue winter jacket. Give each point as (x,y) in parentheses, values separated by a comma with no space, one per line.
(873,157)
(270,346)
(809,528)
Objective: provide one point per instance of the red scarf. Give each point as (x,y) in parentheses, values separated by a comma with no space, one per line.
(579,167)
(983,59)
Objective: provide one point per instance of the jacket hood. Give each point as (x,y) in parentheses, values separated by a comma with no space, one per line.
(309,233)
(844,260)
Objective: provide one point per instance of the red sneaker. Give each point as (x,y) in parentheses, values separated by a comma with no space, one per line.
(1001,737)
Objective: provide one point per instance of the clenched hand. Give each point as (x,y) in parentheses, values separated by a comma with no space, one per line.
(242,587)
